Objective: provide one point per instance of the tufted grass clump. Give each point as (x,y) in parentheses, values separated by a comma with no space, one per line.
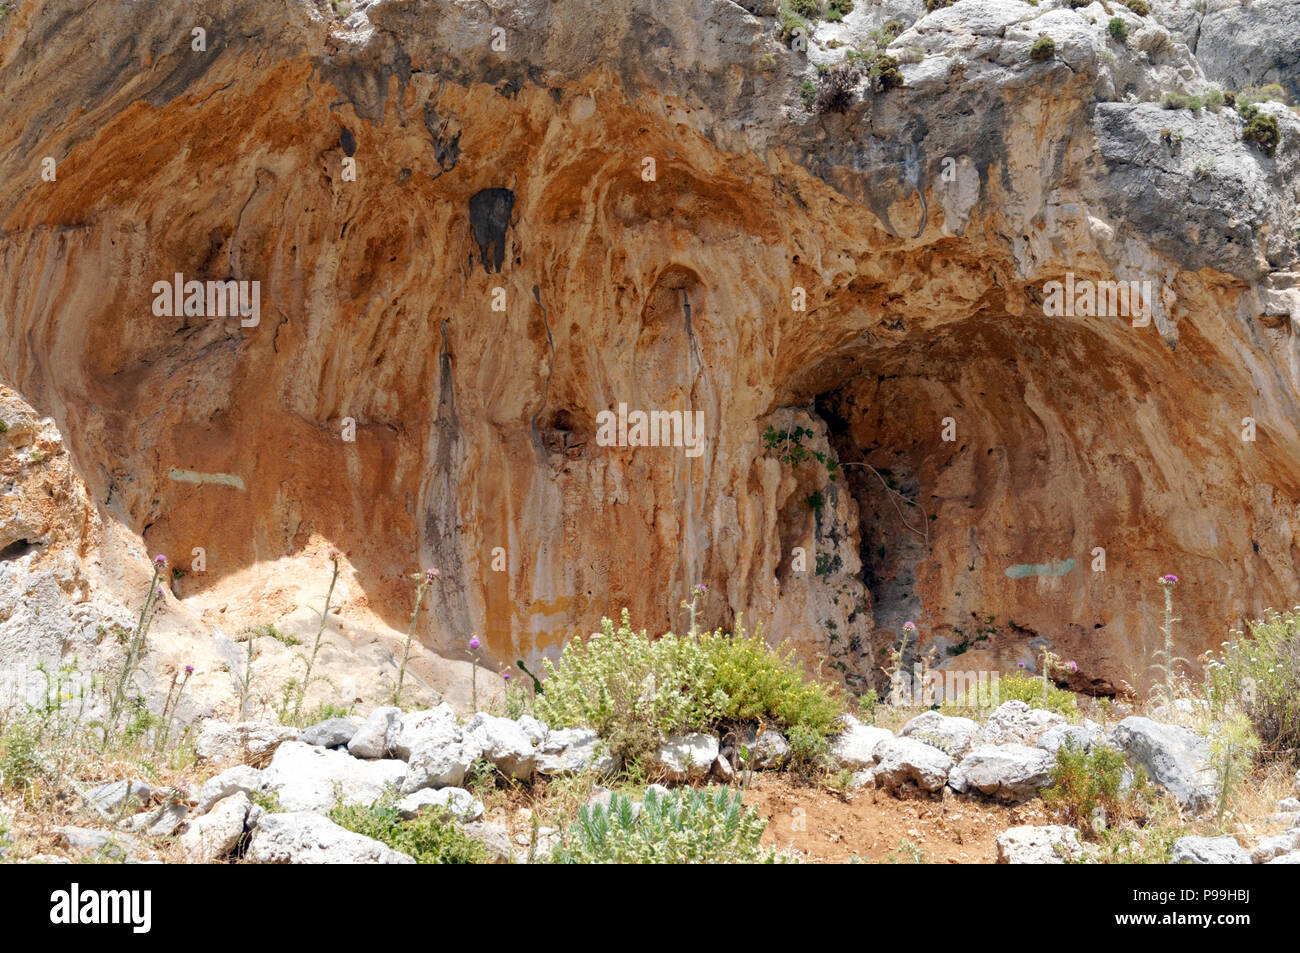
(430,838)
(1261,128)
(1044,48)
(687,826)
(1259,674)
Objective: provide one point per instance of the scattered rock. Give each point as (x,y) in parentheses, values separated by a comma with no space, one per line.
(492,836)
(331,733)
(504,743)
(572,751)
(210,838)
(241,777)
(307,778)
(456,802)
(417,727)
(1288,805)
(1016,723)
(685,757)
(1271,847)
(722,771)
(1052,844)
(223,743)
(903,760)
(157,823)
(116,797)
(1208,850)
(1176,758)
(1058,736)
(1010,772)
(303,837)
(854,747)
(951,735)
(377,735)
(109,845)
(441,758)
(767,751)
(1291,858)
(535,730)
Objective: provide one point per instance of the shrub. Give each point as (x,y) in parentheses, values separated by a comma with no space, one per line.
(805,8)
(630,689)
(1083,781)
(932,5)
(1260,673)
(1182,101)
(1117,29)
(885,74)
(1044,48)
(756,683)
(1261,128)
(1140,7)
(835,94)
(684,827)
(430,838)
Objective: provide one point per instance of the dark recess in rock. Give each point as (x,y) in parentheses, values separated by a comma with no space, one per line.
(489,217)
(348,141)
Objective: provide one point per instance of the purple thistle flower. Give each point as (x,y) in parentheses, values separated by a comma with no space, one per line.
(701,588)
(431,574)
(158,592)
(189,669)
(1170,578)
(474,643)
(910,626)
(1020,665)
(506,676)
(1074,666)
(160,559)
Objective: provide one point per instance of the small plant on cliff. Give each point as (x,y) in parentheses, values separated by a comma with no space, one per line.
(835,94)
(837,10)
(932,5)
(1117,29)
(1166,654)
(681,827)
(792,24)
(1044,48)
(1261,128)
(1140,7)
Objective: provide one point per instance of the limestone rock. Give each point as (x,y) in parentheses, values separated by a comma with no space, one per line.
(209,838)
(241,777)
(903,760)
(950,734)
(1208,850)
(305,837)
(307,778)
(330,733)
(223,743)
(685,757)
(572,751)
(854,748)
(1008,772)
(377,735)
(1176,758)
(1051,844)
(1014,722)
(504,743)
(456,802)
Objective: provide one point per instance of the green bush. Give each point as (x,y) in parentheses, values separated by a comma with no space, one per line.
(805,8)
(1019,687)
(1260,675)
(932,5)
(1262,129)
(430,838)
(1044,48)
(1083,781)
(1140,7)
(884,73)
(758,683)
(687,826)
(632,690)
(1117,29)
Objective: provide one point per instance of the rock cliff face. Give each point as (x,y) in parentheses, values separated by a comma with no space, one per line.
(476,228)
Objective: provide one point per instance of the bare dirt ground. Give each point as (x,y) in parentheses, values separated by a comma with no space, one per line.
(876,826)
